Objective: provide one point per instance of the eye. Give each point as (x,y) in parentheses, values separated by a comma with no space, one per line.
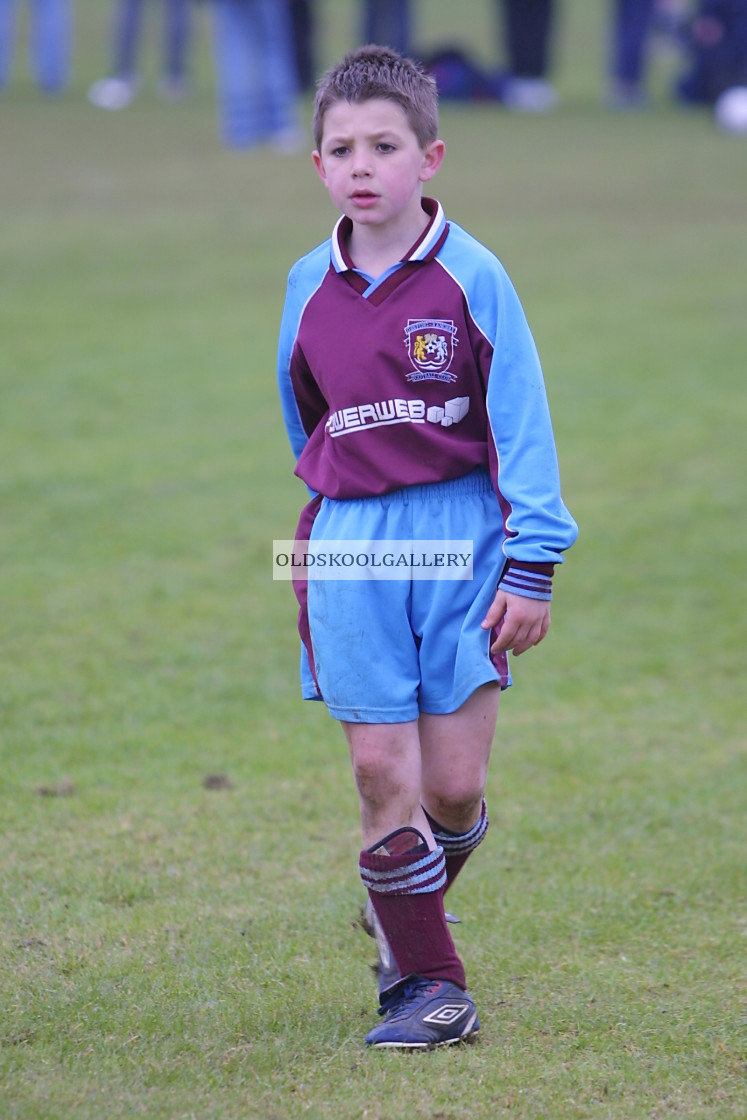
(340,151)
(384,147)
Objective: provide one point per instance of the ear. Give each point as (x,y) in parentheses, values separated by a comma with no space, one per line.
(432,159)
(317,161)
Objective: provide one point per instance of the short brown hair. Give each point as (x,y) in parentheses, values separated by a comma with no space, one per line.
(379,72)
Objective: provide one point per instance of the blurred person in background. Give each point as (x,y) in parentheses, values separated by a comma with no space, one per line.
(717,51)
(528,27)
(257,76)
(50,42)
(118,90)
(522,83)
(303,21)
(389,23)
(633,23)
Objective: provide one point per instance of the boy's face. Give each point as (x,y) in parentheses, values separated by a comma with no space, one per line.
(372,163)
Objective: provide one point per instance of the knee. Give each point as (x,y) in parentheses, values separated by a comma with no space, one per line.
(374,778)
(457,809)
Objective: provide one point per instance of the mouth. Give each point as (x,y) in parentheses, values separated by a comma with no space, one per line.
(364,196)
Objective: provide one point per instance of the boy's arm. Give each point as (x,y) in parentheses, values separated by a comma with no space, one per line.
(524,467)
(302,402)
(521,448)
(289,324)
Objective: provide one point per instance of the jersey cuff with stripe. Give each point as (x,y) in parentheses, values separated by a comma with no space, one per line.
(533,581)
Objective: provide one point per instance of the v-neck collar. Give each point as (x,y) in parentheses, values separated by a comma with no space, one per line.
(377,288)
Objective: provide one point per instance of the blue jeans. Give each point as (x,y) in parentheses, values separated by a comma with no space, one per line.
(256,72)
(50,44)
(128,24)
(631,20)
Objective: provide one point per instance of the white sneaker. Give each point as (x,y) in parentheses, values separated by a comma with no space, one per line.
(113,93)
(529,95)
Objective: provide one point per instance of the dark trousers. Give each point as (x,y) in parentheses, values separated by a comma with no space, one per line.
(718,61)
(527,30)
(387,22)
(304,41)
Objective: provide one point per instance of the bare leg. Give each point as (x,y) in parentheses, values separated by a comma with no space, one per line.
(439,762)
(455,752)
(387,771)
(405,879)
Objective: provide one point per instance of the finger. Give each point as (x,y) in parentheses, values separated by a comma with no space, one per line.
(496,611)
(506,639)
(519,638)
(533,637)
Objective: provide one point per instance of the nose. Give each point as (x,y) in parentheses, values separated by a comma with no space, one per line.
(361,166)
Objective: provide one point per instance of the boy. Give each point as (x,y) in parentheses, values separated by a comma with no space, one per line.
(415,405)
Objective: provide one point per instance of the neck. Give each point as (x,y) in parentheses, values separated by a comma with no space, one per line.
(375,249)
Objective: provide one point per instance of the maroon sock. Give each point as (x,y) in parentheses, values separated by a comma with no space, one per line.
(405,883)
(458,846)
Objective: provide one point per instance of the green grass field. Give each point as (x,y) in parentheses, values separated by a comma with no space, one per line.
(175,951)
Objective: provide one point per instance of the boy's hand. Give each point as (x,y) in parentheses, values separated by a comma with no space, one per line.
(522,622)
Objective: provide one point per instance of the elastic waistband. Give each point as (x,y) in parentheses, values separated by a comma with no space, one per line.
(476,482)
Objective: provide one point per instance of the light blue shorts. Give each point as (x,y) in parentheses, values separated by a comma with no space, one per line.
(386,650)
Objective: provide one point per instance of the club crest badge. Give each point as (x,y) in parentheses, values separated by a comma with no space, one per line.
(430,344)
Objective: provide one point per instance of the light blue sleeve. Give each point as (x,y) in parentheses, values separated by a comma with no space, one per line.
(525,469)
(303,280)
